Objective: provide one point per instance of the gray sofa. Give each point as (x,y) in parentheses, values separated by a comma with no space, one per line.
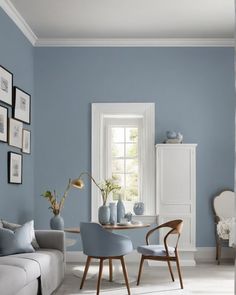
(35,273)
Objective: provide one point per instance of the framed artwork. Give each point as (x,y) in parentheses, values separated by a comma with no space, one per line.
(15,133)
(6,82)
(22,105)
(26,141)
(14,168)
(3,123)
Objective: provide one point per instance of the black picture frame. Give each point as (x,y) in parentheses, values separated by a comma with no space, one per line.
(6,86)
(3,124)
(26,141)
(22,105)
(15,167)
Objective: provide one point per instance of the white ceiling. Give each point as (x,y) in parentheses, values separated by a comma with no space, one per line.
(127,19)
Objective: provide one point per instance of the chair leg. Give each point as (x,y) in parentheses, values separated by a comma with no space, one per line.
(110,270)
(125,274)
(170,269)
(85,271)
(179,272)
(99,275)
(140,269)
(219,252)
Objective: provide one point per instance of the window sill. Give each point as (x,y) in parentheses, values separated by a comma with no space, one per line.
(145,218)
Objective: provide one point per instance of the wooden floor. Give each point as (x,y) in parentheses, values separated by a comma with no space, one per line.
(204,279)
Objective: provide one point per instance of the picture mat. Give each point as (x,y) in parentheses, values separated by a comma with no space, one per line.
(3,123)
(15,168)
(5,86)
(26,141)
(15,133)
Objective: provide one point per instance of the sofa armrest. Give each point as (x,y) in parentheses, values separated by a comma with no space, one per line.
(51,239)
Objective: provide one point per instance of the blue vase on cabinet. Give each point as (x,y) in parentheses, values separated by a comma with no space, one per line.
(113,213)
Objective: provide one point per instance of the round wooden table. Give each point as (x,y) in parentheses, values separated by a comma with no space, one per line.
(117,274)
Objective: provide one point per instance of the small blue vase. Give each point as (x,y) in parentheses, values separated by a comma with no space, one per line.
(139,208)
(120,210)
(57,222)
(113,213)
(104,214)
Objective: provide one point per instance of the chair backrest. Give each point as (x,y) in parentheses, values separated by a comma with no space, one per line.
(223,204)
(175,226)
(99,242)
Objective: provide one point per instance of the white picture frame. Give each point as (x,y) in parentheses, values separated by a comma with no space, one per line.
(15,133)
(26,141)
(6,83)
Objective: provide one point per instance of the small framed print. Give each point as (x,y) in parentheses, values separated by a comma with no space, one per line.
(15,133)
(3,123)
(6,81)
(14,168)
(26,141)
(22,105)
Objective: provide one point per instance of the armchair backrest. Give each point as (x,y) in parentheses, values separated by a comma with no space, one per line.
(223,204)
(175,226)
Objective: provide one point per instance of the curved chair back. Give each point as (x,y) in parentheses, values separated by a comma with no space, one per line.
(223,204)
(99,242)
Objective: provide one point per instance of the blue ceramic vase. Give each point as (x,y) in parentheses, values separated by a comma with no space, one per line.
(57,222)
(113,213)
(104,214)
(139,208)
(120,210)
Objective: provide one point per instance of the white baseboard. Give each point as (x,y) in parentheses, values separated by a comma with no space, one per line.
(206,254)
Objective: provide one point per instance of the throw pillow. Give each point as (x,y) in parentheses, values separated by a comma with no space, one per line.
(16,242)
(14,226)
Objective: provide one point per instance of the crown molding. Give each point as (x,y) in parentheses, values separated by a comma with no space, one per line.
(12,12)
(167,42)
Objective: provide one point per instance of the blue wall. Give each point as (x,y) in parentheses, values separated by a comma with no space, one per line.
(193,89)
(16,54)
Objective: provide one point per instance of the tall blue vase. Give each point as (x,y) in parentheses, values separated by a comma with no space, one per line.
(120,210)
(57,222)
(113,213)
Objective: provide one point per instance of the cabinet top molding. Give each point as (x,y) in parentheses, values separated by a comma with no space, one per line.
(174,145)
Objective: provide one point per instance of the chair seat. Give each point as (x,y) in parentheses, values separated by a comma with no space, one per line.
(155,250)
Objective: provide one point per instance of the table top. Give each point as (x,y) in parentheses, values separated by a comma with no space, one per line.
(76,230)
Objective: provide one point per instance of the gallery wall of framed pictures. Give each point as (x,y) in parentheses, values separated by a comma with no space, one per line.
(12,129)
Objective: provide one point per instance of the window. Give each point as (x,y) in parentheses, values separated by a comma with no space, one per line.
(123,161)
(123,146)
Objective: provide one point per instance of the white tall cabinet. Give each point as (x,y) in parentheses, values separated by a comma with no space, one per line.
(176,192)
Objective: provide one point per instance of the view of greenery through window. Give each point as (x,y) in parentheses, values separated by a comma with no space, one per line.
(124,153)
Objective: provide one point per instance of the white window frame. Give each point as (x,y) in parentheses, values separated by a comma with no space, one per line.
(146,111)
(109,122)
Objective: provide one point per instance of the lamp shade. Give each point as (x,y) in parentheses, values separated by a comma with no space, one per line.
(77,183)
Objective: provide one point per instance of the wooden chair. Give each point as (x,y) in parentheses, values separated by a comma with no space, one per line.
(163,252)
(223,208)
(102,244)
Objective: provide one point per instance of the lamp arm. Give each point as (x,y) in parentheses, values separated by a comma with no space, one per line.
(91,179)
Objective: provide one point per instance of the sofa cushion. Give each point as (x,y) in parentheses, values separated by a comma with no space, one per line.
(31,267)
(16,242)
(12,279)
(14,226)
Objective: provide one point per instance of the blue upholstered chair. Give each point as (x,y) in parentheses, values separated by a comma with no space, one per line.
(163,252)
(102,244)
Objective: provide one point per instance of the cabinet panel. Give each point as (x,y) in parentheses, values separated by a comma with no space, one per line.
(173,208)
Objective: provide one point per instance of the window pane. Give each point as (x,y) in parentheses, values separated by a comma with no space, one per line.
(118,134)
(131,150)
(117,150)
(131,134)
(117,166)
(132,166)
(119,178)
(132,187)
